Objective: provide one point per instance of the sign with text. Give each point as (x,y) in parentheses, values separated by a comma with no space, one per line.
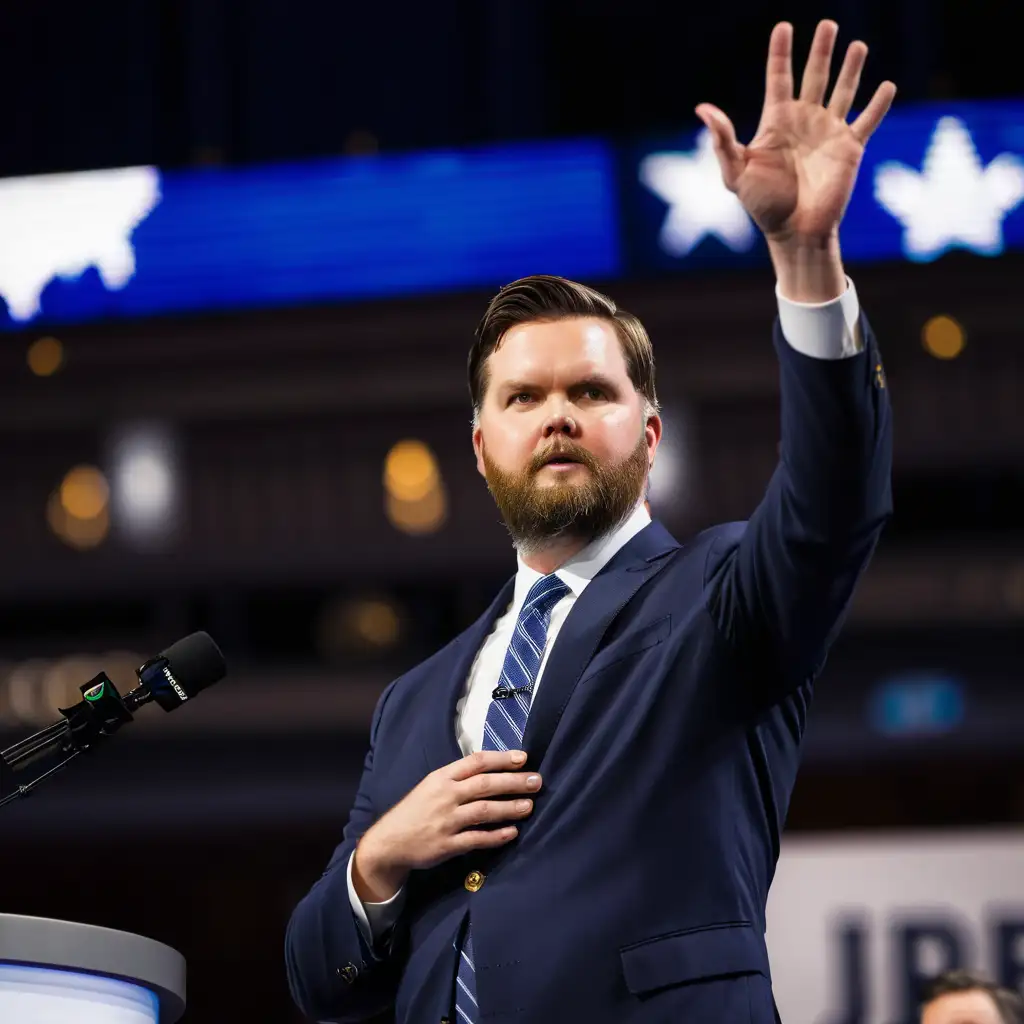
(856,925)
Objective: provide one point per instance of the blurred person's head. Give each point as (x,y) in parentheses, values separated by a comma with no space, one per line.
(565,412)
(963,997)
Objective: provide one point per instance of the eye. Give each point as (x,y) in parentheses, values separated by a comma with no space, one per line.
(594,393)
(520,398)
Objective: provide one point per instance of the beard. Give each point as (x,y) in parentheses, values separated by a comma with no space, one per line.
(577,509)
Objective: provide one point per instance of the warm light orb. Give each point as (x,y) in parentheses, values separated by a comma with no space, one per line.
(410,471)
(375,622)
(943,337)
(84,493)
(45,356)
(365,625)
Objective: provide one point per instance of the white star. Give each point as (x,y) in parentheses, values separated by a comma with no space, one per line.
(699,204)
(59,225)
(953,201)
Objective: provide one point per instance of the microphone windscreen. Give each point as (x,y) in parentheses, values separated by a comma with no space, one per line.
(196,662)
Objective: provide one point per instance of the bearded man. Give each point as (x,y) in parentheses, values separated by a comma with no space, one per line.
(572,811)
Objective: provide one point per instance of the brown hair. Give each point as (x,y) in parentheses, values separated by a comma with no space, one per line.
(1009,1003)
(544,298)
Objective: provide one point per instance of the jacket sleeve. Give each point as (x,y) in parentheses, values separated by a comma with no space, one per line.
(779,587)
(332,973)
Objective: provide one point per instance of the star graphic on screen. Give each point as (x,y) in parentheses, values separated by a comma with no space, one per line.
(699,204)
(59,225)
(953,201)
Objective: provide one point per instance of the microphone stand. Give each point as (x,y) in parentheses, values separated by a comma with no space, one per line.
(100,713)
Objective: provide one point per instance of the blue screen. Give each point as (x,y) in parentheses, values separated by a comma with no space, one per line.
(136,242)
(266,236)
(934,178)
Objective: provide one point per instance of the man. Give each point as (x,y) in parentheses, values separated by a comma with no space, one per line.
(962,997)
(629,711)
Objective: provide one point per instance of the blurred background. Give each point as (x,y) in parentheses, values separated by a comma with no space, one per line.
(243,247)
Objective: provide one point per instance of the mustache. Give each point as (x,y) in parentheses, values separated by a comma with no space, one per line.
(562,449)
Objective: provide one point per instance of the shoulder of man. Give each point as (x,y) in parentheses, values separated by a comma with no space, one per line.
(717,543)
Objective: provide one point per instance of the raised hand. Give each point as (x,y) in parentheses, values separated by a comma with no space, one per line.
(796,176)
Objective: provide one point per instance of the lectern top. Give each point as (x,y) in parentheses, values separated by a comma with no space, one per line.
(70,946)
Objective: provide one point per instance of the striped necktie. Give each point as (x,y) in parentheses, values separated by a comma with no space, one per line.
(504,729)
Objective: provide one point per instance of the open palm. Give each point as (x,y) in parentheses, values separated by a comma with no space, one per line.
(796,176)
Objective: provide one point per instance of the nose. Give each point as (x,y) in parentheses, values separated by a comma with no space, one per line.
(560,423)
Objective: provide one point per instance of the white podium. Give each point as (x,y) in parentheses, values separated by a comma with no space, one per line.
(60,972)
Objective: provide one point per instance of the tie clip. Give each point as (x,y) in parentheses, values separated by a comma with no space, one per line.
(504,692)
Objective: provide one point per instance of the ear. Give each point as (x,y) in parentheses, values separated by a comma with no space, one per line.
(652,434)
(478,450)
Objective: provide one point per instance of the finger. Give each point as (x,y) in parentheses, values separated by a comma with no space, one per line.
(723,138)
(484,812)
(496,784)
(482,839)
(778,86)
(485,761)
(819,63)
(871,116)
(848,81)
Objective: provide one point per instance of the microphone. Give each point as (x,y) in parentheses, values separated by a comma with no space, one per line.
(174,676)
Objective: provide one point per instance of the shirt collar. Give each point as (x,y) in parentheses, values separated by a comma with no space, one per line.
(579,570)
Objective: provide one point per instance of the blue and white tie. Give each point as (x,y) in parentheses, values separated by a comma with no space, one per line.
(504,729)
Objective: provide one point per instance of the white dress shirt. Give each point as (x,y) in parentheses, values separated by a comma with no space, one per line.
(828,330)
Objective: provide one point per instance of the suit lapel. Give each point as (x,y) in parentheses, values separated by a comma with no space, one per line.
(602,600)
(440,742)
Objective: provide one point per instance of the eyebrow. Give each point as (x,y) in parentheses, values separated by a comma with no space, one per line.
(512,387)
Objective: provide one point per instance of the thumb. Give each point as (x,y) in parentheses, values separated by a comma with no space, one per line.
(723,137)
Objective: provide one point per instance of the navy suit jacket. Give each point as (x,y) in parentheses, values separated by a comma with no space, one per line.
(668,733)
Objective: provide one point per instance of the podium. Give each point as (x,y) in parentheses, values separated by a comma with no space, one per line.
(60,972)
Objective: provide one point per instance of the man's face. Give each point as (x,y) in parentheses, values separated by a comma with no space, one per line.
(562,439)
(974,1007)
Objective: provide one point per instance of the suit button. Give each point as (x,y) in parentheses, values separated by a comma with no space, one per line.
(349,972)
(474,881)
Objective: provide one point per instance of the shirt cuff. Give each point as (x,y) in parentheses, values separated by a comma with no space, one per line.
(374,919)
(822,330)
